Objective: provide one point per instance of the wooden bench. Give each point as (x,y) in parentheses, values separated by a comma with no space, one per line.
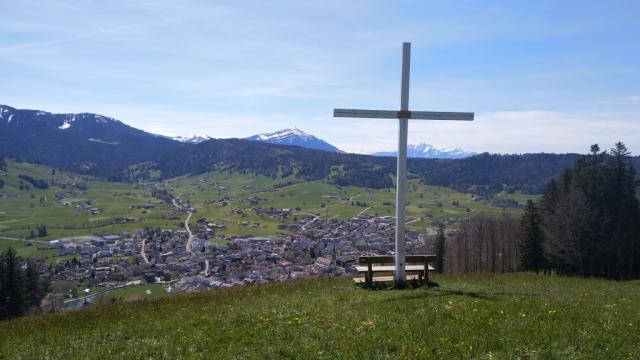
(416,268)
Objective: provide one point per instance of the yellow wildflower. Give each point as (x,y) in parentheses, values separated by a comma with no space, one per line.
(367,324)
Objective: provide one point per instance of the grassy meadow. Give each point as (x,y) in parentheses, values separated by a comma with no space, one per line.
(481,316)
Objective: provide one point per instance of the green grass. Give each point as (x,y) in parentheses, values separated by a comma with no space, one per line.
(516,316)
(25,251)
(134,293)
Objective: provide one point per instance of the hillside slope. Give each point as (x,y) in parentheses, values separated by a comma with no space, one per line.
(473,316)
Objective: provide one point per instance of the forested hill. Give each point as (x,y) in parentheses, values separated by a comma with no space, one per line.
(105,147)
(483,173)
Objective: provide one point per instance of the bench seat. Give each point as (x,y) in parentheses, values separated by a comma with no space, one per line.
(417,267)
(380,279)
(392,268)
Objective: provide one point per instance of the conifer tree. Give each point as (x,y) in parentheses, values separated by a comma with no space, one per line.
(531,239)
(12,301)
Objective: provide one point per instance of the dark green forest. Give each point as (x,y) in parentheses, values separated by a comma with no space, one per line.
(588,220)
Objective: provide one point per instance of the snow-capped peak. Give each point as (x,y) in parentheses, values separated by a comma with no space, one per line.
(284,134)
(423,150)
(294,136)
(193,138)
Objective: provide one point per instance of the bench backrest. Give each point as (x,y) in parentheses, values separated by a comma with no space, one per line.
(385,259)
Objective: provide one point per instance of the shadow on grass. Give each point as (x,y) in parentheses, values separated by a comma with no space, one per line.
(471,294)
(411,285)
(439,292)
(482,294)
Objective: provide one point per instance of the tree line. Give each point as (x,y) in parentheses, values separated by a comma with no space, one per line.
(588,221)
(37,183)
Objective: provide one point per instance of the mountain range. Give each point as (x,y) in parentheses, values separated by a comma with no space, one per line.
(427,151)
(297,137)
(105,147)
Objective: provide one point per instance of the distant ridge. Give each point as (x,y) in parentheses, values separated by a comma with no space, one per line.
(294,137)
(428,151)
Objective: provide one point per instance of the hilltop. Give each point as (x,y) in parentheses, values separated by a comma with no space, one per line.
(471,316)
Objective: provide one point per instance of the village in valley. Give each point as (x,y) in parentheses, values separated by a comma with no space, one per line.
(186,261)
(215,229)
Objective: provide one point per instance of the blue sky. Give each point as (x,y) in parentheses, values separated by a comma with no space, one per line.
(552,76)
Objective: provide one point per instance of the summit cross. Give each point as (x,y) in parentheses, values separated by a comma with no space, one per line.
(403,117)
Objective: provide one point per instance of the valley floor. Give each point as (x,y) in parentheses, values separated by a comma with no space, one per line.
(471,316)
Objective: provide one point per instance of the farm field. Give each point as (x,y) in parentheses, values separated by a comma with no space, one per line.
(477,316)
(23,207)
(241,191)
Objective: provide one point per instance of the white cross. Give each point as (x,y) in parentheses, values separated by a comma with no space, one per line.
(401,181)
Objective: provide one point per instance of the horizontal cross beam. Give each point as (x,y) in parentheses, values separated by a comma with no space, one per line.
(391,114)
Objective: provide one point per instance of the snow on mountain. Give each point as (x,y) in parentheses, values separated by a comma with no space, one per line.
(294,137)
(423,150)
(193,138)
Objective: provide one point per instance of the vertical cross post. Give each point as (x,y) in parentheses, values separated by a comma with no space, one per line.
(401,178)
(403,117)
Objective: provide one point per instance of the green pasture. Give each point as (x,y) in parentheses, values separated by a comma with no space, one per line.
(479,316)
